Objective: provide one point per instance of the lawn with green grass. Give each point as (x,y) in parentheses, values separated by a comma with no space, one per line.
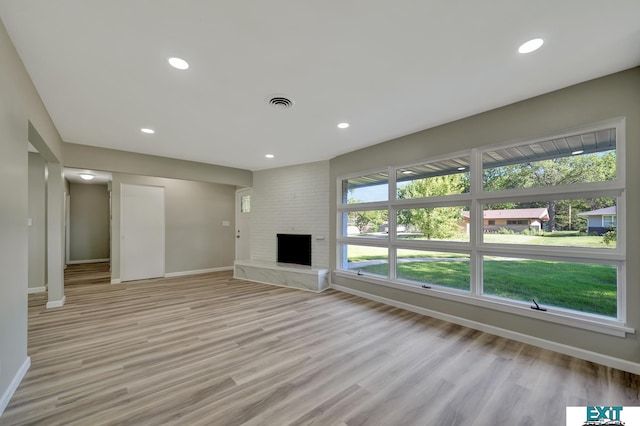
(581,287)
(578,286)
(362,253)
(557,238)
(560,238)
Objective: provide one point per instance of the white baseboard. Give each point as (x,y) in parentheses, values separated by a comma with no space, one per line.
(185,273)
(37,289)
(584,354)
(57,303)
(6,396)
(78,262)
(198,271)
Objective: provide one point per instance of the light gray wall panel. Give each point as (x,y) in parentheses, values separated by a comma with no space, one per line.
(89,222)
(90,157)
(37,215)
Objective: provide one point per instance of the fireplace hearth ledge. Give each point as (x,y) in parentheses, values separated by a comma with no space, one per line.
(282,274)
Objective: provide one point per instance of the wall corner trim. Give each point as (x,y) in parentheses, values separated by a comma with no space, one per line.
(116,281)
(37,289)
(13,386)
(606,360)
(57,303)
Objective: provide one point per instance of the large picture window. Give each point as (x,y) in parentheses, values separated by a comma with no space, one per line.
(499,226)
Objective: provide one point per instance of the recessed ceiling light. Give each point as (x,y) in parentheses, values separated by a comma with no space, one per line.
(269,155)
(343,125)
(578,152)
(531,45)
(179,63)
(149,131)
(87,176)
(462,168)
(406,172)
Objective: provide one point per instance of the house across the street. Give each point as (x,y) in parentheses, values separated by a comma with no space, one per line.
(601,220)
(516,220)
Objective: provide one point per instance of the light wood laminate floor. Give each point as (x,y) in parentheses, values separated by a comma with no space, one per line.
(212,350)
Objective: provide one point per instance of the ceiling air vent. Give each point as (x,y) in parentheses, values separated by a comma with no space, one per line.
(280,102)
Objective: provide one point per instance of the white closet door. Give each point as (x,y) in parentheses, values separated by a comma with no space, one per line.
(141,232)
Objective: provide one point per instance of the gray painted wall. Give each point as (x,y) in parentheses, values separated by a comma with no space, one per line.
(608,97)
(195,238)
(89,222)
(89,157)
(37,215)
(20,105)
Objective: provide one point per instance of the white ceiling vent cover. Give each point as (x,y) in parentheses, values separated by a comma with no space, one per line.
(280,102)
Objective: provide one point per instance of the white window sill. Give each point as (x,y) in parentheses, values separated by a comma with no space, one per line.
(589,322)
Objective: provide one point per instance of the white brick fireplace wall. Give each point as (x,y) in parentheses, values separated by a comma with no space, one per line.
(293,200)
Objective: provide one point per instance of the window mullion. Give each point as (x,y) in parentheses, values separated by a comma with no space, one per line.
(476,223)
(392,224)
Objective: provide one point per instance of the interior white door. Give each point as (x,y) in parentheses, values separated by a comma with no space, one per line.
(243,224)
(141,232)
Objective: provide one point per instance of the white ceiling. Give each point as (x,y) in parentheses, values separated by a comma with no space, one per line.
(389,68)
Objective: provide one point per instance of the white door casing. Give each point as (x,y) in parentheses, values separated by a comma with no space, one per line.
(243,224)
(67,229)
(142,232)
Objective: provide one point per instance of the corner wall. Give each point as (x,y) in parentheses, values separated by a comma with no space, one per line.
(612,96)
(20,105)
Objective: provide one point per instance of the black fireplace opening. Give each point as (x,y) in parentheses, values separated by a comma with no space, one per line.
(294,248)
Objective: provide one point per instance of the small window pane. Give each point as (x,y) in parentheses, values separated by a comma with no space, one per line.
(441,178)
(568,223)
(245,204)
(367,260)
(440,223)
(434,268)
(366,224)
(364,189)
(609,222)
(585,158)
(583,287)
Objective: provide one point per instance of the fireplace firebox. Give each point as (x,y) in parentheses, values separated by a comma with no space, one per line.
(294,248)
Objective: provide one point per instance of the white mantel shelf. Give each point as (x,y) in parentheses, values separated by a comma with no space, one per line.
(282,274)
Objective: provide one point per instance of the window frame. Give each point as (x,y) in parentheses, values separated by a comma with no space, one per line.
(476,248)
